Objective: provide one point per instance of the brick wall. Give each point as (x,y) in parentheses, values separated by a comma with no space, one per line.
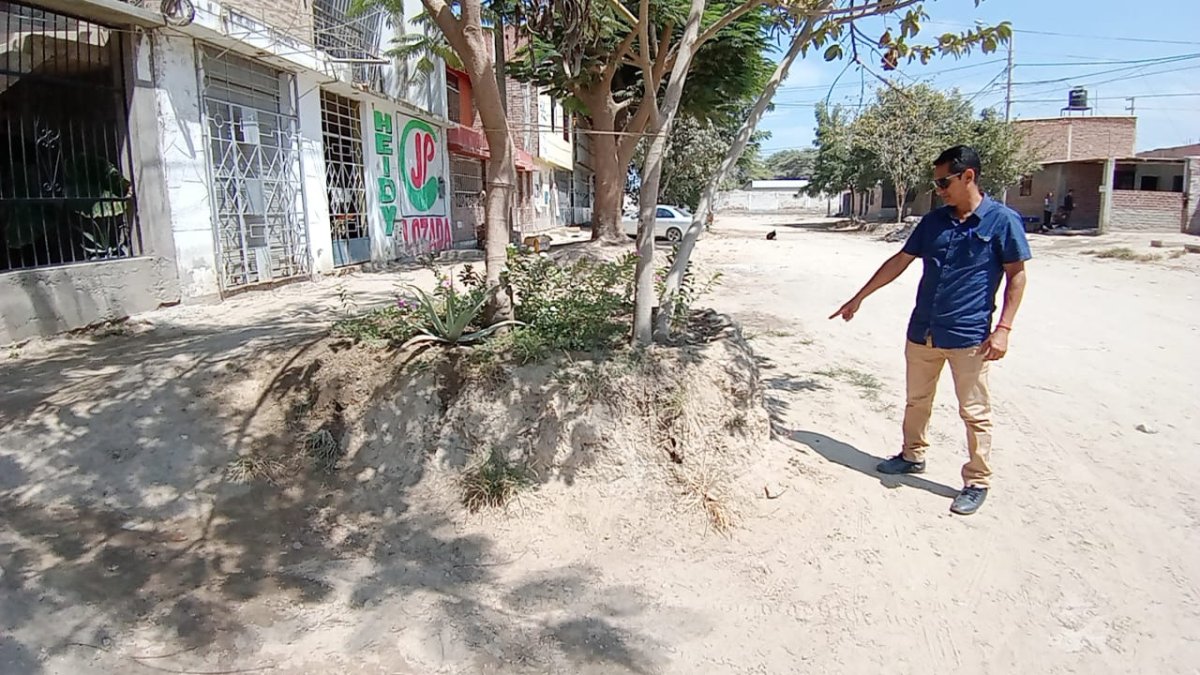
(1192,196)
(1044,181)
(1144,211)
(522,115)
(293,18)
(1077,138)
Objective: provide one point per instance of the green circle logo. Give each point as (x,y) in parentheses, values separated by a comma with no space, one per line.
(420,181)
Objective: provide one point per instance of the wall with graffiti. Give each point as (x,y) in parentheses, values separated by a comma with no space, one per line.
(407,176)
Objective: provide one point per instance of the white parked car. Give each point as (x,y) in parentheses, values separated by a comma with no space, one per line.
(670,223)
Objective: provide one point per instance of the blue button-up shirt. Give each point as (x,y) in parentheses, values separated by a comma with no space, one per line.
(964,262)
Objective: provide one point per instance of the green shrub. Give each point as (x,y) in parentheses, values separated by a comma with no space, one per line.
(691,289)
(579,306)
(395,323)
(453,317)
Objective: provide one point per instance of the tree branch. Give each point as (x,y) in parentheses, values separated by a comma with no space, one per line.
(619,55)
(449,24)
(650,97)
(662,64)
(881,7)
(720,24)
(633,128)
(624,13)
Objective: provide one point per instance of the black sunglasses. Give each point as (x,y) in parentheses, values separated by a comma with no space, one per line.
(944,182)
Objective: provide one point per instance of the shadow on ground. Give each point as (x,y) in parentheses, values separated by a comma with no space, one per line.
(116,523)
(847,455)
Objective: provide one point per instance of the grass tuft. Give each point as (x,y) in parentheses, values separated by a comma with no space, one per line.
(493,482)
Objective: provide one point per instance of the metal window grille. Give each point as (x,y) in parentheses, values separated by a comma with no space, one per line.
(345,188)
(258,211)
(66,189)
(351,36)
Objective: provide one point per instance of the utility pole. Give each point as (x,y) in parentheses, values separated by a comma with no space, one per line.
(1132,100)
(1008,101)
(1008,85)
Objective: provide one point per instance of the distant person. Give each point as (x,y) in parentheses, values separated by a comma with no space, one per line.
(1047,211)
(1068,206)
(966,246)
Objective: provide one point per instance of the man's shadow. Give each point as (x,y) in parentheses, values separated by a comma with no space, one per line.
(851,457)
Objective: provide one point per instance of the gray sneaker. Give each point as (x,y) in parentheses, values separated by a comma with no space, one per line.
(898,465)
(969,500)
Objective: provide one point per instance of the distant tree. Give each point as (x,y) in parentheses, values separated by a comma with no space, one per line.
(1004,150)
(841,161)
(906,127)
(791,163)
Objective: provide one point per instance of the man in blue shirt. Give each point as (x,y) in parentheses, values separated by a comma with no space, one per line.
(966,247)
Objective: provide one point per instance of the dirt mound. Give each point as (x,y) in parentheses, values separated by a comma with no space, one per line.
(675,424)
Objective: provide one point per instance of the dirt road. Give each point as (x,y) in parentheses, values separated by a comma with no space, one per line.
(1085,558)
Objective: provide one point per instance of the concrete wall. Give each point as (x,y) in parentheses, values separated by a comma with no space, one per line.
(1049,179)
(553,148)
(413,231)
(56,299)
(1191,197)
(185,164)
(293,18)
(1166,174)
(1146,211)
(772,202)
(312,167)
(1063,139)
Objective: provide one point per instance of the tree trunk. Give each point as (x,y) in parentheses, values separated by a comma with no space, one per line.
(473,45)
(901,193)
(643,328)
(501,181)
(662,328)
(611,154)
(609,173)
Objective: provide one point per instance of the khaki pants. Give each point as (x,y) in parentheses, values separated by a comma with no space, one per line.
(969,371)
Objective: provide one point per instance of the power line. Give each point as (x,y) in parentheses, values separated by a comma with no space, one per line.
(1155,41)
(1112,98)
(1143,64)
(1120,79)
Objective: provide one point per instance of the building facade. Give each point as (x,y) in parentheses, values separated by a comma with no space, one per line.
(252,143)
(1113,187)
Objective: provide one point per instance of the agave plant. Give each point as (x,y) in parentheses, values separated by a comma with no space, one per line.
(447,321)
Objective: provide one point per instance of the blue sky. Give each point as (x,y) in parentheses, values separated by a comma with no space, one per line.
(1108,46)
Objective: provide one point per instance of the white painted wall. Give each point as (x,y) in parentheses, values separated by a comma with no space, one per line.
(384,247)
(551,146)
(312,166)
(185,163)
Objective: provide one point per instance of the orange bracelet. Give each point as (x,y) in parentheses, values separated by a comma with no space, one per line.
(1005,327)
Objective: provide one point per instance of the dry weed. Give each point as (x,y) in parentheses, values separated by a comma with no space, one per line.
(1122,253)
(248,469)
(493,482)
(703,488)
(323,448)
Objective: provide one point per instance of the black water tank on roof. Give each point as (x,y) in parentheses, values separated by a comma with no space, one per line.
(1077,99)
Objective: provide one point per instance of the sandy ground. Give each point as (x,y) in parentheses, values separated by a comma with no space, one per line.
(123,551)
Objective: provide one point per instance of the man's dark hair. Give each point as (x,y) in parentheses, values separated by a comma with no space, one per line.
(960,158)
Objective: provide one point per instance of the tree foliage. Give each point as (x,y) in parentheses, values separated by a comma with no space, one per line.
(1004,151)
(897,137)
(905,128)
(787,164)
